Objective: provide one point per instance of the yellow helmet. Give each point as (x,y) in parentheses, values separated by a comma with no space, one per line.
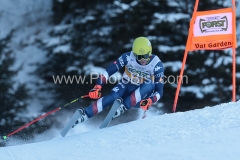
(142,48)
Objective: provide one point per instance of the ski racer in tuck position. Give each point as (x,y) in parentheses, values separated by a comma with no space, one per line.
(141,84)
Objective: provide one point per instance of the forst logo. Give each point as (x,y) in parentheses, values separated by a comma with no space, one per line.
(138,73)
(213,24)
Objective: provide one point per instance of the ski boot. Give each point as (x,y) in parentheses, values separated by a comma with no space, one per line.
(121,109)
(82,119)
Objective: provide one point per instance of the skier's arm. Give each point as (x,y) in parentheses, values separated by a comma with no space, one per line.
(113,68)
(95,93)
(159,82)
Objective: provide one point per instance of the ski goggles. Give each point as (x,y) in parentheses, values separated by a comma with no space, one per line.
(139,57)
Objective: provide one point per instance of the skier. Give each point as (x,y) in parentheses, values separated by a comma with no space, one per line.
(140,86)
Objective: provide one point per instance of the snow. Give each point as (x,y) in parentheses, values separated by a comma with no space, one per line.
(209,133)
(94,72)
(175,66)
(62,48)
(165,49)
(122,5)
(171,17)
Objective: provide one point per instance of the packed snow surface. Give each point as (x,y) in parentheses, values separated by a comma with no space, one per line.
(209,133)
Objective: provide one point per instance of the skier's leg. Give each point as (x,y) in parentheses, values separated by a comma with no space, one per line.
(101,103)
(139,94)
(138,104)
(122,108)
(118,91)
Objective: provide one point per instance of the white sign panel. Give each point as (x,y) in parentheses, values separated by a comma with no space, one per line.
(213,24)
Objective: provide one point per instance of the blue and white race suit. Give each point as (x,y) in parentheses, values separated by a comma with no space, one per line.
(138,82)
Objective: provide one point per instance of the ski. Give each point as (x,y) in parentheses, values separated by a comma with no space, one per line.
(72,121)
(110,114)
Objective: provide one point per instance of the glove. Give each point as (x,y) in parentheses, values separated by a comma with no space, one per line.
(146,103)
(95,93)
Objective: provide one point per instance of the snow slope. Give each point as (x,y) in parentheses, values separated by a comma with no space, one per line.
(209,133)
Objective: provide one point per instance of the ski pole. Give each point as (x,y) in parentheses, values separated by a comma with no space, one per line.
(85,96)
(144,114)
(41,117)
